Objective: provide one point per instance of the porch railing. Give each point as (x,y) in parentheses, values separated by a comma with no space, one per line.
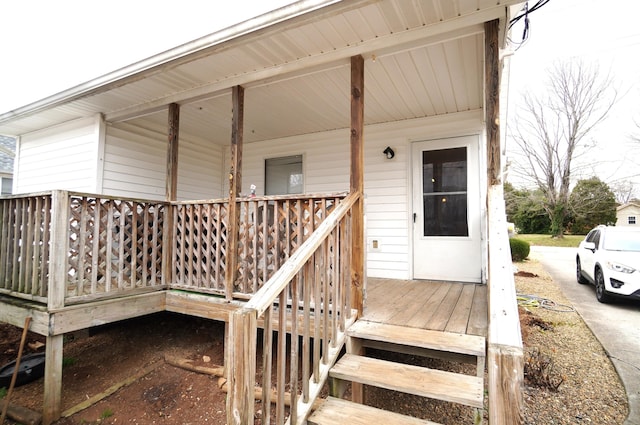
(25,234)
(115,246)
(307,298)
(505,363)
(271,229)
(111,246)
(99,246)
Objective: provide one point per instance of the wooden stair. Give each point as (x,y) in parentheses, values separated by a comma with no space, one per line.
(355,367)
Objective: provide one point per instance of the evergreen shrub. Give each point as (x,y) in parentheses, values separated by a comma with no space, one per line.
(519,249)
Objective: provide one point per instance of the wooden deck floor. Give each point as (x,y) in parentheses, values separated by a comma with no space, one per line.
(441,306)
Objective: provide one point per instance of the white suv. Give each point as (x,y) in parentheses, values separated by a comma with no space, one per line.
(609,257)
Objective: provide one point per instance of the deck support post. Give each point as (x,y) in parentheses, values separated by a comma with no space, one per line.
(53,379)
(241,370)
(357,182)
(171,191)
(55,299)
(235,187)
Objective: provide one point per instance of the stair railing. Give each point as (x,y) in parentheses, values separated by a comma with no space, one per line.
(308,300)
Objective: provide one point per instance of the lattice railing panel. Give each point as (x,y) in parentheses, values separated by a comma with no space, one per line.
(271,229)
(115,245)
(200,238)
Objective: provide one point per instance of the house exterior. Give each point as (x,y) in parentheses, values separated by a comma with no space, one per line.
(628,214)
(384,116)
(7,154)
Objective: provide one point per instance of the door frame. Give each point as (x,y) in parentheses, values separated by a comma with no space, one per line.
(482,196)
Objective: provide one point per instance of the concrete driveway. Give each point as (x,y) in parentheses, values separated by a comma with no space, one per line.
(616,325)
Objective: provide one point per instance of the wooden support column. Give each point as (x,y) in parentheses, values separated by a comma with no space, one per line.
(241,369)
(357,186)
(171,191)
(492,101)
(56,287)
(357,182)
(235,187)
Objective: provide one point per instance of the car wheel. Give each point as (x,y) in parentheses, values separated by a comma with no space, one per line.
(601,293)
(579,277)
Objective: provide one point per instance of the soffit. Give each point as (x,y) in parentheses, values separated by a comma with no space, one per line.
(428,61)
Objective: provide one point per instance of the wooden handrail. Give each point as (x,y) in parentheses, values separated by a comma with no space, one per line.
(505,355)
(270,290)
(308,298)
(264,198)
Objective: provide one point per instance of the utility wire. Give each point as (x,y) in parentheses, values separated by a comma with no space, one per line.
(524,15)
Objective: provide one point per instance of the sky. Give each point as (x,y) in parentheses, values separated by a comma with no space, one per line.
(606,34)
(50,46)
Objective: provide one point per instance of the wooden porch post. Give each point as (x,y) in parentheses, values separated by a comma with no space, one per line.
(171,190)
(492,89)
(235,187)
(505,362)
(172,152)
(55,299)
(357,186)
(357,181)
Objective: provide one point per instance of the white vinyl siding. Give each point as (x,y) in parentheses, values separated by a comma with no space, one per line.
(200,170)
(62,157)
(135,165)
(387,181)
(325,161)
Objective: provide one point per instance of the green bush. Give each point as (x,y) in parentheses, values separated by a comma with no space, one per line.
(519,249)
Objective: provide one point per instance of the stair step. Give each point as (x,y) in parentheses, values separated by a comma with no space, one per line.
(415,337)
(436,384)
(336,411)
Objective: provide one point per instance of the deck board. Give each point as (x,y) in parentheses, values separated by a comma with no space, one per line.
(431,306)
(422,295)
(443,306)
(459,319)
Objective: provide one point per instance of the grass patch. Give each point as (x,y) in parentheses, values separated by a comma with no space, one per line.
(106,413)
(568,241)
(68,361)
(3,392)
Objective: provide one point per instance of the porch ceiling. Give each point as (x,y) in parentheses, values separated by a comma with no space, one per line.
(423,58)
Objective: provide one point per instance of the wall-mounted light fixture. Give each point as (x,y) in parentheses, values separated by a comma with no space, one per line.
(389,153)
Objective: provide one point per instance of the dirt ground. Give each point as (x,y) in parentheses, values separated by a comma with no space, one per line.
(135,350)
(97,359)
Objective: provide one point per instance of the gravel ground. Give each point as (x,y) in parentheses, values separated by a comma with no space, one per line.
(589,390)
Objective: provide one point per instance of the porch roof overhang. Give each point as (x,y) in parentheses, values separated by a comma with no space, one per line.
(424,59)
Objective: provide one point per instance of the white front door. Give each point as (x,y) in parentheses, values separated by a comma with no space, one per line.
(446,210)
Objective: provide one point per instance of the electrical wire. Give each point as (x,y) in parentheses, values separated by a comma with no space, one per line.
(524,15)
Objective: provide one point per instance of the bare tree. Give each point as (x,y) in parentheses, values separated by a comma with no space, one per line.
(624,191)
(552,127)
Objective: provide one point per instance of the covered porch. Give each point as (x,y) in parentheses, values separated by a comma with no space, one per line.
(296,265)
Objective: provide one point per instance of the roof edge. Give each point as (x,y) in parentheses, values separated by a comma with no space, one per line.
(144,66)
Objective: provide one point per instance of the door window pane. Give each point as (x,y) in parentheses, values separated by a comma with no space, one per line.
(444,192)
(283,175)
